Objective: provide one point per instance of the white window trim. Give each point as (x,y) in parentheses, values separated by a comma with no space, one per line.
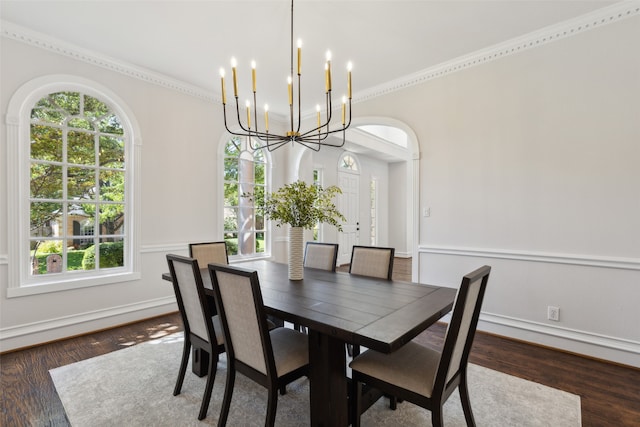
(18,166)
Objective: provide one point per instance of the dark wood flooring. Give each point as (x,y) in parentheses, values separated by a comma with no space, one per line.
(610,394)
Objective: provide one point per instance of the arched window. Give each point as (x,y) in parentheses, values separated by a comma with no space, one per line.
(245,171)
(74,191)
(348,162)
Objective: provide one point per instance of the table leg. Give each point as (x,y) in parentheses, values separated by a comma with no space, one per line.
(199,361)
(328,381)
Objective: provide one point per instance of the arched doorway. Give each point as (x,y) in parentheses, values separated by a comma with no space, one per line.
(374,135)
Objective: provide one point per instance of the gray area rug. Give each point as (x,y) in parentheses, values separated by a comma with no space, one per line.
(134,387)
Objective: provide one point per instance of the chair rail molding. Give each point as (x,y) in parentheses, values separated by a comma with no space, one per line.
(546,257)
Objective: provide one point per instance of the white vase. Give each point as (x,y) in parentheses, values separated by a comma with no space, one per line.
(296,268)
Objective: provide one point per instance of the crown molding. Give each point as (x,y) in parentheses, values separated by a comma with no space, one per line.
(43,41)
(607,15)
(572,27)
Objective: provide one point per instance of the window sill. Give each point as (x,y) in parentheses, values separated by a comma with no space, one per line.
(37,289)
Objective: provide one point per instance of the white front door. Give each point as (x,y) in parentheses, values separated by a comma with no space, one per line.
(348,205)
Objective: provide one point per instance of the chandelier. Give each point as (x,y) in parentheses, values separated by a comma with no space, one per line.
(313,138)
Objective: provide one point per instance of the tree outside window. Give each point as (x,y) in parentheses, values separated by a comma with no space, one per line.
(244,172)
(77,185)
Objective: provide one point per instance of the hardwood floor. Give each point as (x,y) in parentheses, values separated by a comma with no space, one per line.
(610,394)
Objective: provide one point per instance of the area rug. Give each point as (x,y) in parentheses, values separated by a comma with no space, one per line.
(134,386)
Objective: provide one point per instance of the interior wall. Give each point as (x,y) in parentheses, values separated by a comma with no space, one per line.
(179,151)
(529,164)
(397,218)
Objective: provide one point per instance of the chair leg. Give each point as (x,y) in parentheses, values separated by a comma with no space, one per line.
(211,376)
(436,416)
(228,393)
(283,390)
(393,403)
(272,405)
(464,399)
(186,349)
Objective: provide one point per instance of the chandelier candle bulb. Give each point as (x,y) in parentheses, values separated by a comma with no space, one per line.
(253,75)
(224,96)
(263,139)
(349,67)
(235,77)
(299,56)
(248,114)
(328,71)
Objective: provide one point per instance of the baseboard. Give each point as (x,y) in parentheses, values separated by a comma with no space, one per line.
(31,334)
(624,352)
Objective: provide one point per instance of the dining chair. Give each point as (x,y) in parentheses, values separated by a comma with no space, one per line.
(208,252)
(202,329)
(272,358)
(372,261)
(322,256)
(420,375)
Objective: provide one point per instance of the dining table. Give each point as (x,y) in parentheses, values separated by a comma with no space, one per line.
(339,308)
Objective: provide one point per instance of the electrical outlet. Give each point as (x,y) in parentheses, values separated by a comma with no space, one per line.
(553,313)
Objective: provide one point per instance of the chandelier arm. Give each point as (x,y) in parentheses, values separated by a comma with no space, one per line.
(244,129)
(313,139)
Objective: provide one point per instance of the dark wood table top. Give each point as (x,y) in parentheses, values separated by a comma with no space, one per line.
(378,314)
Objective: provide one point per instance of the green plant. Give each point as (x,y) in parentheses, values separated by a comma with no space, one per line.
(299,205)
(111,255)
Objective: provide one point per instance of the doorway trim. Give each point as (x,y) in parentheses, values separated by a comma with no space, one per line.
(412,160)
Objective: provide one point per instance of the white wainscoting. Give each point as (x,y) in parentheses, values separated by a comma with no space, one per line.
(510,316)
(30,334)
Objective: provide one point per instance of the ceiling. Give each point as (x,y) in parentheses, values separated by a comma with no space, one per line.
(385,40)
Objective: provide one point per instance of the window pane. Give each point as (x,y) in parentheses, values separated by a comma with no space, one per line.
(259,221)
(112,185)
(230,219)
(94,108)
(46,111)
(230,169)
(111,219)
(232,149)
(111,124)
(68,101)
(111,152)
(232,243)
(75,258)
(260,243)
(80,124)
(45,219)
(80,183)
(259,173)
(111,253)
(46,143)
(46,181)
(46,257)
(81,148)
(231,196)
